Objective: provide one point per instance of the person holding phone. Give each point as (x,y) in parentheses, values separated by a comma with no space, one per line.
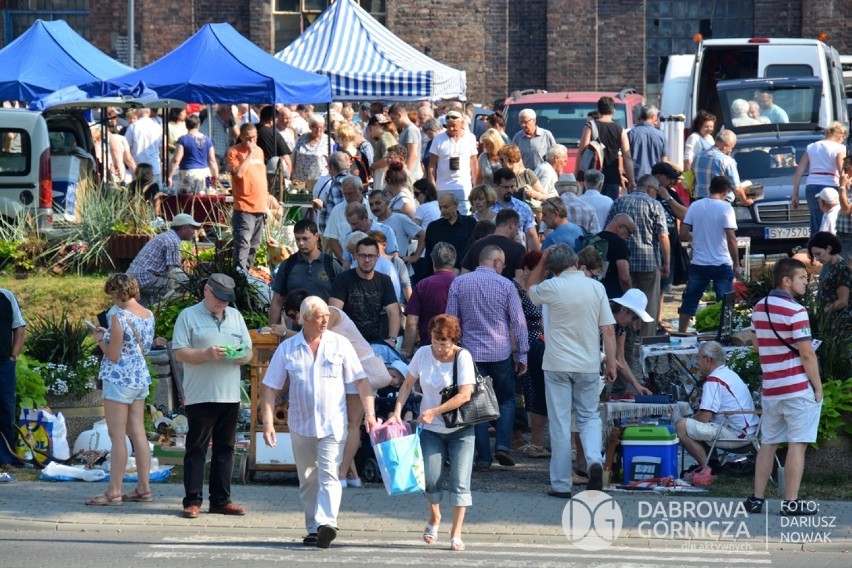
(126,380)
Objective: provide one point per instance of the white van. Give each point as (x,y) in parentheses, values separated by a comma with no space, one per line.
(690,83)
(25,175)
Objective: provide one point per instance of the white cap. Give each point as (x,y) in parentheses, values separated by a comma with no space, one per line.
(401,367)
(635,301)
(182,219)
(829,195)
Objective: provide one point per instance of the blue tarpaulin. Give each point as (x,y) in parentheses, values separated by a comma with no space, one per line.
(218,65)
(365,61)
(48,57)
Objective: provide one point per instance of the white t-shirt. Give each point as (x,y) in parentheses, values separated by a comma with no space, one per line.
(435,376)
(709,218)
(725,391)
(829,220)
(822,158)
(427,213)
(145,137)
(445,148)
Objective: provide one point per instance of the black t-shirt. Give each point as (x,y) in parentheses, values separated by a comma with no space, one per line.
(363,300)
(271,143)
(616,250)
(457,234)
(610,136)
(514,253)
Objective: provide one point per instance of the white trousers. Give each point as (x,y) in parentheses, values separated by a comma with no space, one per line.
(317,463)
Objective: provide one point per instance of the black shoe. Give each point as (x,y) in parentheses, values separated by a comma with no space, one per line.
(754,505)
(503,458)
(595,477)
(559,494)
(325,534)
(310,540)
(799,508)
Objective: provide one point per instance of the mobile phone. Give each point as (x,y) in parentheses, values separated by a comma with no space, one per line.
(92,326)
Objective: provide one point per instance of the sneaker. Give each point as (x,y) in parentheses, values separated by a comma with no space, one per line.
(799,508)
(595,477)
(754,505)
(6,477)
(354,482)
(344,483)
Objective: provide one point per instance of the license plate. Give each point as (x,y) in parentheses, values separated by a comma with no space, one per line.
(786,232)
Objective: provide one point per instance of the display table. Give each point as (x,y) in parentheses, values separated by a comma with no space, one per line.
(680,361)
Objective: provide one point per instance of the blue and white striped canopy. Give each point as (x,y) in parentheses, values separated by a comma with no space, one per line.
(365,61)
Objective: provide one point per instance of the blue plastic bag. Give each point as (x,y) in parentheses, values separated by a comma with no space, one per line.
(401,463)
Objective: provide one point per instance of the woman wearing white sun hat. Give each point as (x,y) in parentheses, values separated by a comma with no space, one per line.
(626,310)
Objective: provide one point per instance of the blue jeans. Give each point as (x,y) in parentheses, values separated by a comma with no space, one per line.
(457,448)
(813,205)
(7,411)
(580,392)
(722,277)
(503,376)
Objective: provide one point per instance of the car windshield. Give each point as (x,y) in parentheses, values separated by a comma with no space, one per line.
(565,120)
(769,159)
(748,106)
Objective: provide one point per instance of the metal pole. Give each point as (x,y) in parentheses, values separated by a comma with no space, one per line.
(131,33)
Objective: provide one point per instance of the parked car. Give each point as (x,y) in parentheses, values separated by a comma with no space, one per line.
(768,154)
(565,114)
(39,157)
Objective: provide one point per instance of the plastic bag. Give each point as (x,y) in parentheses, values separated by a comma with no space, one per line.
(401,463)
(44,433)
(383,432)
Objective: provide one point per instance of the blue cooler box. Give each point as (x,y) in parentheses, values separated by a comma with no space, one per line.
(648,452)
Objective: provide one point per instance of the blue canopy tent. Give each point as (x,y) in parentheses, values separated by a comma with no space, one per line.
(48,57)
(365,61)
(218,65)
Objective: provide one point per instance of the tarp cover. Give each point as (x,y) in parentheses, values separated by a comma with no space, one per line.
(48,57)
(365,61)
(218,65)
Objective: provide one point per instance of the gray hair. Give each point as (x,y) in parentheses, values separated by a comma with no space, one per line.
(431,125)
(443,255)
(316,119)
(560,258)
(354,238)
(593,179)
(648,180)
(488,252)
(352,181)
(309,306)
(451,195)
(339,162)
(355,209)
(557,150)
(528,112)
(648,112)
(727,136)
(712,350)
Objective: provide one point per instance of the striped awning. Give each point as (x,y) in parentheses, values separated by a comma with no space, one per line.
(365,61)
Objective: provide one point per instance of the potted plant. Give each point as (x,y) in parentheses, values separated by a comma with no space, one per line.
(132,229)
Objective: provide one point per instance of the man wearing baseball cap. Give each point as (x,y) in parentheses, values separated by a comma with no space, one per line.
(212,341)
(829,203)
(157,267)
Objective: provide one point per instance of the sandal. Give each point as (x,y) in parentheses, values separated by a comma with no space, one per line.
(456,544)
(430,533)
(136,496)
(105,500)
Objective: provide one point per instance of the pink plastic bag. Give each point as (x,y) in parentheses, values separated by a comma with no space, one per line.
(384,432)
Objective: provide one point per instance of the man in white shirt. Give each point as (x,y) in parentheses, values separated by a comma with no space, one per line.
(337,226)
(317,364)
(453,163)
(593,180)
(145,137)
(549,170)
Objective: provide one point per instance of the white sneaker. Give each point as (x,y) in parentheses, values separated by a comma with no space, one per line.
(354,482)
(6,477)
(343,483)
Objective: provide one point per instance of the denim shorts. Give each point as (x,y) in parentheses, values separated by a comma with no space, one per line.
(124,395)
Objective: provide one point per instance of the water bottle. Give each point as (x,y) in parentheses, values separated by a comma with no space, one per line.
(28,458)
(674,393)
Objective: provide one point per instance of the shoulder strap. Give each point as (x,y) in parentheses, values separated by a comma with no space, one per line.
(328,265)
(455,369)
(593,125)
(136,335)
(327,184)
(772,327)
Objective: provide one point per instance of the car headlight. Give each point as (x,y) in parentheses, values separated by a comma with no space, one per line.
(743,213)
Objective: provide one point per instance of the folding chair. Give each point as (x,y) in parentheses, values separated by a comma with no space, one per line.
(748,444)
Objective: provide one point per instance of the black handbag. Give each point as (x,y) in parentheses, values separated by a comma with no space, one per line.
(482,406)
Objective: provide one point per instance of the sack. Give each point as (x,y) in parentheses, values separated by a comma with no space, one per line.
(482,406)
(592,157)
(681,262)
(401,463)
(42,436)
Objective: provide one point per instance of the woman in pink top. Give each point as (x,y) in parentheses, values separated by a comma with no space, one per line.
(824,162)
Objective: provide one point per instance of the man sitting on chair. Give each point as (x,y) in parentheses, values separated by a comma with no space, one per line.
(723,391)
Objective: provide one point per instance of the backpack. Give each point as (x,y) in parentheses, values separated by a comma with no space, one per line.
(597,242)
(592,157)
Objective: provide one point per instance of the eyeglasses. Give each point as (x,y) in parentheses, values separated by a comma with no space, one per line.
(498,261)
(629,230)
(363,256)
(527,120)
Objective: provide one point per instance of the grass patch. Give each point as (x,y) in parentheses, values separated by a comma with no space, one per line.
(81,297)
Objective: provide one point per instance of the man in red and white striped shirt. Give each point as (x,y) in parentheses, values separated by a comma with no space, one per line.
(792,390)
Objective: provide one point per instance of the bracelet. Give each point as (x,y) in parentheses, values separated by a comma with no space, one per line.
(373,414)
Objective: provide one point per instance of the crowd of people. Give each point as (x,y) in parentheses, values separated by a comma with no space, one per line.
(468,254)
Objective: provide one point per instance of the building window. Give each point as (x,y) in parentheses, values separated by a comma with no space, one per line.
(292,17)
(671,25)
(22,14)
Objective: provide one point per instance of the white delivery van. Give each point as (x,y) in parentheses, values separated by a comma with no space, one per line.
(25,175)
(690,82)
